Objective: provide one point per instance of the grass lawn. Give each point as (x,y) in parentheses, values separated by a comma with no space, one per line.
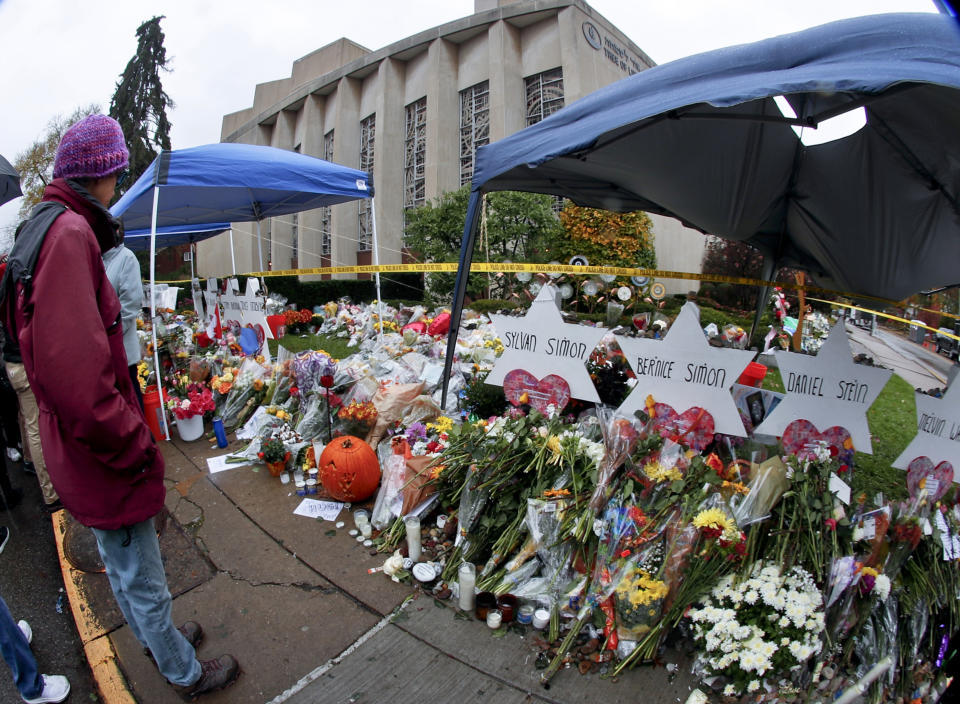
(336,347)
(893,422)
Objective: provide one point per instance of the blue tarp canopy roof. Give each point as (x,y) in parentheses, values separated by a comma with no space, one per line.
(701,139)
(225,182)
(139,240)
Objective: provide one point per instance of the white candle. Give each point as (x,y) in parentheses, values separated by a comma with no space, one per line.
(541,619)
(494,617)
(412,524)
(468,579)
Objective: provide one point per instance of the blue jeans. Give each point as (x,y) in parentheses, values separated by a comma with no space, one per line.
(17,653)
(135,570)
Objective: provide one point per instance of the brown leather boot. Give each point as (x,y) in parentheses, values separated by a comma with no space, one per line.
(214,674)
(191,630)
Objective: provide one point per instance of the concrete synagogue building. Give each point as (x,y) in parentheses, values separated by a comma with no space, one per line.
(412,115)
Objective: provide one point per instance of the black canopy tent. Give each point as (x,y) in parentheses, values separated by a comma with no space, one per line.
(702,139)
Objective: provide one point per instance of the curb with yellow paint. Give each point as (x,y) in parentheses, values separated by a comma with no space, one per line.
(101,656)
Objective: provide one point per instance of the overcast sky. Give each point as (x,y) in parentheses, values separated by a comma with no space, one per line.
(62,54)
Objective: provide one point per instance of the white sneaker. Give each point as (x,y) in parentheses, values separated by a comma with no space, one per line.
(25,630)
(55,690)
(13,454)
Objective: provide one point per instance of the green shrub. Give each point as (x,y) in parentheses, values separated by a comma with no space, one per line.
(487,305)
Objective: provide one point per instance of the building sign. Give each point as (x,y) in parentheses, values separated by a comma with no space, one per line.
(618,55)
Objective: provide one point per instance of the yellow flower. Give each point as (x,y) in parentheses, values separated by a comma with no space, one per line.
(737,487)
(442,424)
(713,518)
(656,472)
(553,444)
(869,571)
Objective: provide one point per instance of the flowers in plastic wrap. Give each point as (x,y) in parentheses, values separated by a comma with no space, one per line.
(186,399)
(760,629)
(245,394)
(356,418)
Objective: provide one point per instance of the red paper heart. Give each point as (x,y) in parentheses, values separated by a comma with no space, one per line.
(922,468)
(520,386)
(694,427)
(799,437)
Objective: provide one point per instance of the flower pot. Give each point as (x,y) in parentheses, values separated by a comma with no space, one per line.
(190,428)
(276,468)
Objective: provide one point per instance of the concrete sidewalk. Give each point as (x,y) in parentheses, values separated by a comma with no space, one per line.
(291,598)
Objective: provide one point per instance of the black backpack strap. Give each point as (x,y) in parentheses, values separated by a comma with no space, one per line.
(28,240)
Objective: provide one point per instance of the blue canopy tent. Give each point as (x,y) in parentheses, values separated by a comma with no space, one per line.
(702,139)
(172,235)
(224,182)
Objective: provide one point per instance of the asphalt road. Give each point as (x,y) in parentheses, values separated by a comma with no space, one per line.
(31,583)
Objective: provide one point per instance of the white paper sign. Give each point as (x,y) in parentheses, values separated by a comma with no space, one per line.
(684,371)
(543,344)
(220,464)
(938,432)
(839,488)
(325,510)
(246,310)
(827,389)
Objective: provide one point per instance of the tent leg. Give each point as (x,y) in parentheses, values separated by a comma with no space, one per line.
(769,266)
(153,307)
(376,262)
(460,287)
(259,248)
(233,259)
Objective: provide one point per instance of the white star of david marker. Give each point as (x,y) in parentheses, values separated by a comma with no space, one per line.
(684,371)
(543,344)
(938,431)
(827,389)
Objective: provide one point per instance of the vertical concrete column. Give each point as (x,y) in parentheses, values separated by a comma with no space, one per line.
(282,226)
(388,159)
(507,93)
(346,151)
(570,25)
(443,121)
(312,144)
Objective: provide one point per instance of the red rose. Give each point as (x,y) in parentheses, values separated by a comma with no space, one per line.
(831,523)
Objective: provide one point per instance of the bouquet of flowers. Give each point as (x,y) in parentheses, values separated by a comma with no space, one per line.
(245,394)
(186,399)
(297,321)
(763,628)
(356,418)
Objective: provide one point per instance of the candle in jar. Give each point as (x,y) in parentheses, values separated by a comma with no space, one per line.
(494,618)
(366,529)
(412,524)
(541,619)
(467,578)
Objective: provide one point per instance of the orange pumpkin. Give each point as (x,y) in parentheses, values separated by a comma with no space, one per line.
(349,469)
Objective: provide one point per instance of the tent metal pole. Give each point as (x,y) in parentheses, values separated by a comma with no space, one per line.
(376,262)
(460,287)
(153,307)
(233,259)
(259,249)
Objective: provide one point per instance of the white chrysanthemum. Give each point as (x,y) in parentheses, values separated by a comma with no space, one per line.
(729,691)
(753,686)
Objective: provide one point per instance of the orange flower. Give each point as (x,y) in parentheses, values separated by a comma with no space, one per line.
(555,493)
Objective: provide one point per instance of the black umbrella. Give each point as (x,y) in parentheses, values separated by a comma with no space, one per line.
(9,182)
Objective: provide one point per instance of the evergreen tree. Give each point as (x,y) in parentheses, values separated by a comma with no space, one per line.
(140,104)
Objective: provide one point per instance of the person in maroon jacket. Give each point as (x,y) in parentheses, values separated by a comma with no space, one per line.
(100,453)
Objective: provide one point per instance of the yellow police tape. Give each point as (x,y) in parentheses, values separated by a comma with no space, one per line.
(886,315)
(510,267)
(496,267)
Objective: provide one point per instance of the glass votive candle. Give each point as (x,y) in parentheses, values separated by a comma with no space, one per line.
(312,473)
(311,486)
(467,577)
(360,517)
(412,524)
(541,619)
(301,487)
(285,477)
(525,614)
(366,530)
(494,618)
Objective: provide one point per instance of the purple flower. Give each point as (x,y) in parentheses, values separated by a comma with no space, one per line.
(417,431)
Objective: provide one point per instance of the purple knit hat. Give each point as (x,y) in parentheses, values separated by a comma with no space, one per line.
(94,147)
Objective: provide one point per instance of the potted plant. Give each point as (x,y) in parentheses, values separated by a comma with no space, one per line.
(275,455)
